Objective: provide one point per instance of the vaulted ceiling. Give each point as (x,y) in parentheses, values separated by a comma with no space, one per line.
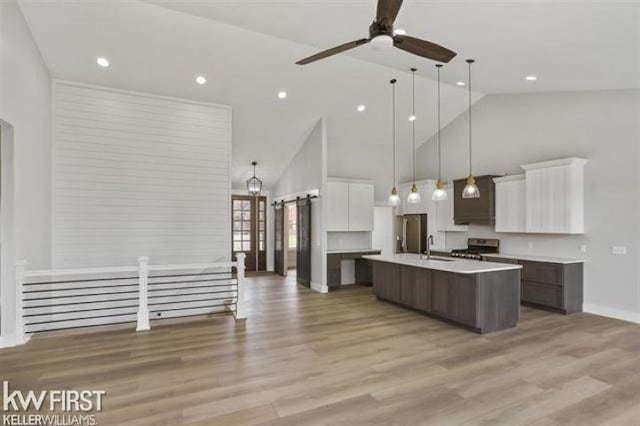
(247,50)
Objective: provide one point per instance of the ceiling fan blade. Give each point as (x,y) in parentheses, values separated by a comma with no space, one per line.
(424,48)
(388,9)
(333,51)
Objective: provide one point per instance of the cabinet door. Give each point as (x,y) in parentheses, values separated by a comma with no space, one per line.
(408,285)
(464,299)
(510,206)
(360,207)
(386,281)
(547,200)
(334,273)
(441,294)
(337,206)
(423,290)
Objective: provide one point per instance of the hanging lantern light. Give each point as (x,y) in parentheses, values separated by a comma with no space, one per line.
(471,189)
(394,198)
(414,195)
(254,185)
(440,194)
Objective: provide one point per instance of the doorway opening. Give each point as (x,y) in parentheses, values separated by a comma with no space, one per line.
(292,238)
(249,230)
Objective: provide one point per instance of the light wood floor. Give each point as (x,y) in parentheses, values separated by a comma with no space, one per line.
(345,358)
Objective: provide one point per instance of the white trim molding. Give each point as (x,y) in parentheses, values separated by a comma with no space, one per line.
(606,311)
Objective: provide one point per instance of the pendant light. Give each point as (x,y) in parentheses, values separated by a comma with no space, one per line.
(394,198)
(440,194)
(471,189)
(254,185)
(414,195)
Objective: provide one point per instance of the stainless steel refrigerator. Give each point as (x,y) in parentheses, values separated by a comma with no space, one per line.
(411,233)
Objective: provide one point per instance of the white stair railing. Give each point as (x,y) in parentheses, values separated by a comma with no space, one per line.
(37,285)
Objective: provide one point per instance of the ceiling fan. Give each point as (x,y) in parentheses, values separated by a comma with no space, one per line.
(381,37)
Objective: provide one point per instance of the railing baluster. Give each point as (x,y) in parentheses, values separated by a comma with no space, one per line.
(19,277)
(241,305)
(143,294)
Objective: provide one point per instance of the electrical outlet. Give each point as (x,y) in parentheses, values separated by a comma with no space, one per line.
(619,250)
(583,248)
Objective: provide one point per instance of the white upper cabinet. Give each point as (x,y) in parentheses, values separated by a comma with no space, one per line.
(337,196)
(510,203)
(360,207)
(555,196)
(444,215)
(349,206)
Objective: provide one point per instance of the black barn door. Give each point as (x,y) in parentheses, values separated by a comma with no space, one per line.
(303,252)
(279,247)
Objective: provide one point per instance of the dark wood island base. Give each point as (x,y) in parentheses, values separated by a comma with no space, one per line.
(483,302)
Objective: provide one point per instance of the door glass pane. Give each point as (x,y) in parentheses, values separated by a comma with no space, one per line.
(262,226)
(237,204)
(261,216)
(261,245)
(237,226)
(237,215)
(237,246)
(246,215)
(237,236)
(246,226)
(246,245)
(262,204)
(246,205)
(246,235)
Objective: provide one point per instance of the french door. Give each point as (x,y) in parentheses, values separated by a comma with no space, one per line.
(249,230)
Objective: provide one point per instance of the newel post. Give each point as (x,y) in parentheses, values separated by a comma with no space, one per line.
(143,284)
(21,337)
(241,305)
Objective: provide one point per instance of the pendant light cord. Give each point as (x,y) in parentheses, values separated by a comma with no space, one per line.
(470,61)
(393,126)
(439,128)
(413,123)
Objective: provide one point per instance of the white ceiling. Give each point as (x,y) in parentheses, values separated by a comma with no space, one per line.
(569,44)
(157,50)
(247,50)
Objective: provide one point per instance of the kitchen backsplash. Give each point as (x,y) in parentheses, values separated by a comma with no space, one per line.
(348,240)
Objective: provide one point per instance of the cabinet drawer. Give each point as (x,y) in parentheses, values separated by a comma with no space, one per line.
(542,272)
(542,294)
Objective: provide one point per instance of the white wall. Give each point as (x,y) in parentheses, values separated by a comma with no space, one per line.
(137,174)
(25,103)
(25,94)
(602,126)
(307,172)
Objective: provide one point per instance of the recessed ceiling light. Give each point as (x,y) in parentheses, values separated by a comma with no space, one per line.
(361,108)
(399,31)
(531,78)
(103,62)
(282,94)
(460,83)
(412,117)
(201,79)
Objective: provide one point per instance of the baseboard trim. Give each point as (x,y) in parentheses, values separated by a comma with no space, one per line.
(319,287)
(10,341)
(612,312)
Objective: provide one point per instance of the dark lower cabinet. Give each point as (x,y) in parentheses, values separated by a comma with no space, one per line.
(484,302)
(548,285)
(334,271)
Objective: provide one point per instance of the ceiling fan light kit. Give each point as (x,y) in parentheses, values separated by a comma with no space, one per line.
(471,189)
(382,37)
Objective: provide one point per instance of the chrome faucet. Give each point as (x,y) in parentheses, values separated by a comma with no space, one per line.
(429,244)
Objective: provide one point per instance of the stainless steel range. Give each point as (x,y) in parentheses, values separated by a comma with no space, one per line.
(476,247)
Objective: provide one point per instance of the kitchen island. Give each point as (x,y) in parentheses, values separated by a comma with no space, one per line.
(481,296)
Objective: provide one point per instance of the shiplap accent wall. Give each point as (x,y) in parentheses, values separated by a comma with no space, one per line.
(136,174)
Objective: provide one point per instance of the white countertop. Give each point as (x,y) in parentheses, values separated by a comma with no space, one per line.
(536,258)
(459,266)
(360,250)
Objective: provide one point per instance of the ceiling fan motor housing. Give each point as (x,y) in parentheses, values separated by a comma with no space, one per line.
(380,28)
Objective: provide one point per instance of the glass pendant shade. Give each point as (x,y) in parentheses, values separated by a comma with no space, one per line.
(254,185)
(471,189)
(394,198)
(440,194)
(414,195)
